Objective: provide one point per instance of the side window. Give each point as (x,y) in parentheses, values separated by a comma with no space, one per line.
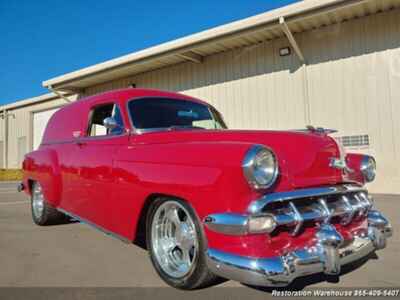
(98,114)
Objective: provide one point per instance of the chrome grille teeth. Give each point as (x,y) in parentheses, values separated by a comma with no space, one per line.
(350,211)
(327,213)
(297,217)
(366,202)
(346,207)
(360,207)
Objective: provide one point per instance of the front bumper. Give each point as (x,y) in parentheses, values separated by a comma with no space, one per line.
(326,254)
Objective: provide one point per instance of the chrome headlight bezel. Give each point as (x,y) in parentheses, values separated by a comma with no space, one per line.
(249,166)
(368,168)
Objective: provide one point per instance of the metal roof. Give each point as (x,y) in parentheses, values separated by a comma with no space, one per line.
(30,101)
(301,16)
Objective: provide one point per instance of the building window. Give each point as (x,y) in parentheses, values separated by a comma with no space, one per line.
(354,140)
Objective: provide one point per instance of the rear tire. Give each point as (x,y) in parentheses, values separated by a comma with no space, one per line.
(173,229)
(42,212)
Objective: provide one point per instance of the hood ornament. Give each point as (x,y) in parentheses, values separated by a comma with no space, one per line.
(317,130)
(320,130)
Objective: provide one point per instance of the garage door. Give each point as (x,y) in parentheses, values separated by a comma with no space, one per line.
(40,120)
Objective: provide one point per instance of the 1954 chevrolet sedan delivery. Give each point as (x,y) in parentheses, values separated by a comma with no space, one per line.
(259,207)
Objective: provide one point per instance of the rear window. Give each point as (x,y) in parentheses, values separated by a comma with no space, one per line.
(165,113)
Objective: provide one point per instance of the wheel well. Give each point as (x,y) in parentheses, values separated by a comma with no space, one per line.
(30,184)
(140,236)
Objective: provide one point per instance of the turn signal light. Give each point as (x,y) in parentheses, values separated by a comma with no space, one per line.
(261,224)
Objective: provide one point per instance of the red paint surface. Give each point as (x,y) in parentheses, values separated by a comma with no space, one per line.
(107,180)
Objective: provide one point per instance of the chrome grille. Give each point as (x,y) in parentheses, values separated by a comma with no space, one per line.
(344,208)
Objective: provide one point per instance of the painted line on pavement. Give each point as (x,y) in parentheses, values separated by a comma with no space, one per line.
(13,202)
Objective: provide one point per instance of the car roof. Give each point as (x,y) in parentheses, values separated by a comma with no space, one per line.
(123,95)
(73,117)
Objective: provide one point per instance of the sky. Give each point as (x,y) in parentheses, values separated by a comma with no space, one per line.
(43,39)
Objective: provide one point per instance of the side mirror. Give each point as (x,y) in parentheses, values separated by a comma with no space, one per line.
(110,123)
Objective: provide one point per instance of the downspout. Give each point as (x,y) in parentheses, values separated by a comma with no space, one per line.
(303,61)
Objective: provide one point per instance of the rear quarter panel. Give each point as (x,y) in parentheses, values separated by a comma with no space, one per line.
(43,166)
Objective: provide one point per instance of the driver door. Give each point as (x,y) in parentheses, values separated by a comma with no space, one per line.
(95,155)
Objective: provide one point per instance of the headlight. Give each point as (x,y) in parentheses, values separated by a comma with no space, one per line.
(260,167)
(368,168)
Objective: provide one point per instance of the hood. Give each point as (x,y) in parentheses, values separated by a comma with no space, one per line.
(304,157)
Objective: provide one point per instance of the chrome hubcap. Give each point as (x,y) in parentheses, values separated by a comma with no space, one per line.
(174,239)
(37,200)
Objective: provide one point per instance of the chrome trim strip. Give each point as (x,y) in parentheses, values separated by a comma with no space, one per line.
(95,226)
(257,205)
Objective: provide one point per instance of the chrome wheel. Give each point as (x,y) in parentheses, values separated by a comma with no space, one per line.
(37,201)
(174,239)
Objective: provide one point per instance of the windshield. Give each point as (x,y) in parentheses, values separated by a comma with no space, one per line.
(167,113)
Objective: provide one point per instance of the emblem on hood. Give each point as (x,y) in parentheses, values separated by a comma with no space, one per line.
(339,163)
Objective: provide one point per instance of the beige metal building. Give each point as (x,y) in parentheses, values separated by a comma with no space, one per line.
(22,125)
(331,63)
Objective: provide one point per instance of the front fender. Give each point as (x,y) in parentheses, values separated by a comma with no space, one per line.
(353,161)
(207,175)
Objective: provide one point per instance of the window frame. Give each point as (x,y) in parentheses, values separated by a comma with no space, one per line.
(149,130)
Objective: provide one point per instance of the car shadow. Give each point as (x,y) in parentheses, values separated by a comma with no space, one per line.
(302,282)
(63,221)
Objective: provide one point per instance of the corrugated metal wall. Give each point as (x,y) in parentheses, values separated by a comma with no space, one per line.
(20,131)
(354,84)
(245,84)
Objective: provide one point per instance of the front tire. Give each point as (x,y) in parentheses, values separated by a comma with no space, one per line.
(177,245)
(42,212)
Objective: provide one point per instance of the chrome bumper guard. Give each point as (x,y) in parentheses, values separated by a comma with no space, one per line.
(325,255)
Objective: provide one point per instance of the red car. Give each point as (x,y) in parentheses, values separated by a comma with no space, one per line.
(258,207)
